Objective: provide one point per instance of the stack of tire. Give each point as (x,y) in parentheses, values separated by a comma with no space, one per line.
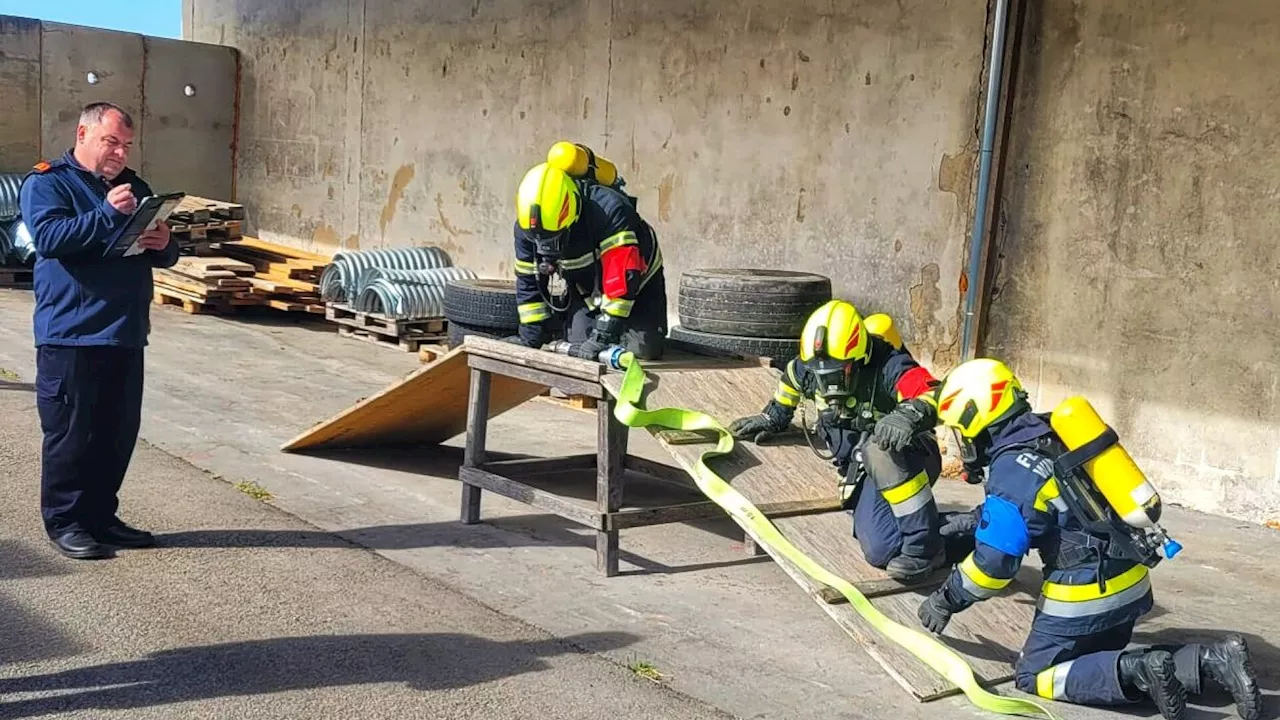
(748,311)
(483,306)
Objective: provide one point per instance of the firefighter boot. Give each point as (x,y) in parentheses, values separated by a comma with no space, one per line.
(1153,673)
(1227,662)
(909,568)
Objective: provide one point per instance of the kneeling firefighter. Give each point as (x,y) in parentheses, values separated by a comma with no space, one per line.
(856,377)
(586,262)
(1060,483)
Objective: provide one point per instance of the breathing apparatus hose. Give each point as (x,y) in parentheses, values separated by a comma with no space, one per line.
(941,658)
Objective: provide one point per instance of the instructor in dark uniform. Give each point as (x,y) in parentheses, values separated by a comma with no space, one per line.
(91,325)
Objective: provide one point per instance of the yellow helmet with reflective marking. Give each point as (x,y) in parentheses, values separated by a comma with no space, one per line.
(547,201)
(977,394)
(834,331)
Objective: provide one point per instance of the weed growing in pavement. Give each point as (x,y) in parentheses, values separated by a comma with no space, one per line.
(253,490)
(645,669)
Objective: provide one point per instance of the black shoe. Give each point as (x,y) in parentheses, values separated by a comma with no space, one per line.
(1228,663)
(121,535)
(80,545)
(909,568)
(1152,673)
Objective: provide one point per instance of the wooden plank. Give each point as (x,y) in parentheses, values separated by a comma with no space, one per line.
(611,453)
(474,451)
(534,466)
(285,250)
(988,634)
(684,512)
(428,406)
(513,354)
(534,375)
(198,266)
(532,496)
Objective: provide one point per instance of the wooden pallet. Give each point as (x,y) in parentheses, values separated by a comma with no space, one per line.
(20,277)
(383,324)
(412,343)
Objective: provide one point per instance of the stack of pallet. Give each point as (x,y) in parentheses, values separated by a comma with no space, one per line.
(199,223)
(205,284)
(284,278)
(249,272)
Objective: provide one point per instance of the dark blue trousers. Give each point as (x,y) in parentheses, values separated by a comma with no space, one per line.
(90,405)
(910,526)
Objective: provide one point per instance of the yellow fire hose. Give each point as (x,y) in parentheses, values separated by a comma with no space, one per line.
(933,653)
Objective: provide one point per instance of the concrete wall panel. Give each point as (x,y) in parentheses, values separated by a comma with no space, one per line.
(69,53)
(190,141)
(1140,263)
(815,137)
(20,88)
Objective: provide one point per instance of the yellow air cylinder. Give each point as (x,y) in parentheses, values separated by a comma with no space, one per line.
(575,160)
(1112,471)
(882,325)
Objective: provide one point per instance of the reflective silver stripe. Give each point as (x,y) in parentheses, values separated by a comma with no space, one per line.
(1058,504)
(1085,608)
(626,237)
(914,503)
(617,308)
(975,589)
(579,262)
(524,267)
(1060,679)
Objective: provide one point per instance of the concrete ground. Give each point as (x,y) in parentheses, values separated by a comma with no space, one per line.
(730,631)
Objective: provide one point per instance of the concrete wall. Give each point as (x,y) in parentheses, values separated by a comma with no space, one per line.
(830,137)
(183,142)
(1140,263)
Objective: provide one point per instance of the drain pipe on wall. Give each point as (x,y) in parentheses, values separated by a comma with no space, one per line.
(978,242)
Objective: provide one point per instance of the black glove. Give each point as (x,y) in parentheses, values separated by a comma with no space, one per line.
(757,428)
(899,428)
(960,524)
(935,612)
(974,474)
(589,350)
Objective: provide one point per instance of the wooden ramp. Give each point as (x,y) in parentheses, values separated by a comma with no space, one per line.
(988,634)
(428,406)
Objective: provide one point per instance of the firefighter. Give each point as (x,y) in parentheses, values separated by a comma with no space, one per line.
(856,378)
(1092,594)
(588,265)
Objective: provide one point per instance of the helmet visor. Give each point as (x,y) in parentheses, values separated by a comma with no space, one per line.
(549,244)
(834,378)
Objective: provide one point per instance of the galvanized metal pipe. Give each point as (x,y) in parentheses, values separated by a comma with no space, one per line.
(402,300)
(16,244)
(437,276)
(10,185)
(977,243)
(341,279)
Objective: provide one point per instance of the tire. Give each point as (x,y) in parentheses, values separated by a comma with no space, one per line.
(458,331)
(482,303)
(779,351)
(750,302)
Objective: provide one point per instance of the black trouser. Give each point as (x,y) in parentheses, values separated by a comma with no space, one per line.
(646,331)
(90,405)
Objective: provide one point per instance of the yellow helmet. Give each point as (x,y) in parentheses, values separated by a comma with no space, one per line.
(977,394)
(547,201)
(834,331)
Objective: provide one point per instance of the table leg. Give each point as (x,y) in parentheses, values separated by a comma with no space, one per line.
(473,456)
(750,545)
(611,453)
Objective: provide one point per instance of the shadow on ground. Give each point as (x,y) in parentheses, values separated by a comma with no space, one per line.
(503,532)
(436,661)
(28,637)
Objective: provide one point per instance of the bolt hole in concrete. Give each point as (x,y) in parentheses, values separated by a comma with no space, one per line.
(189,90)
(92,78)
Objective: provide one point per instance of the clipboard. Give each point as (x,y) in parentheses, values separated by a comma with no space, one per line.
(150,211)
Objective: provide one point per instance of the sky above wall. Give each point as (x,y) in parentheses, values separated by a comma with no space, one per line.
(162,18)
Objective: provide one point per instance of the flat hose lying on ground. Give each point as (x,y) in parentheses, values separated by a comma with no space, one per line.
(941,658)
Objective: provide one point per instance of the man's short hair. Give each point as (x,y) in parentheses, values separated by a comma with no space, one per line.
(95,113)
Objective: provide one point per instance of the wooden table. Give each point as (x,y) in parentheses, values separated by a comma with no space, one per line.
(611,462)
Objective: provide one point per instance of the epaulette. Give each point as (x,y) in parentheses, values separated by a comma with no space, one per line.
(42,166)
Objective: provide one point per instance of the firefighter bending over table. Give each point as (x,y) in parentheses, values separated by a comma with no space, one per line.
(1060,483)
(586,263)
(857,376)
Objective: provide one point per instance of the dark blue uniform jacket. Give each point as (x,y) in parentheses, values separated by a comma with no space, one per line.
(82,298)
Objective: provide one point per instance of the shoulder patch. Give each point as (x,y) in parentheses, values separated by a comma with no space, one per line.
(41,166)
(1002,527)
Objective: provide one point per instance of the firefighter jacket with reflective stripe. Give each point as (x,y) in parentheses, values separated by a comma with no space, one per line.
(1023,509)
(608,224)
(890,376)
